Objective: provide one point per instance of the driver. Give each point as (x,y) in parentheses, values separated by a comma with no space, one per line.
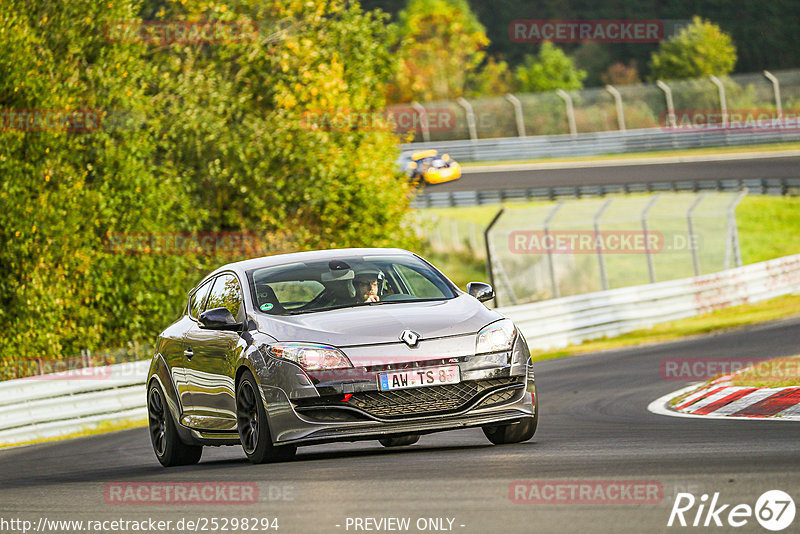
(368,283)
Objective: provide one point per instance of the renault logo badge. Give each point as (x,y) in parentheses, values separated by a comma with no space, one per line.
(410,338)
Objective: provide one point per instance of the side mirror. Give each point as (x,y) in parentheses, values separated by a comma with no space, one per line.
(480,291)
(218,319)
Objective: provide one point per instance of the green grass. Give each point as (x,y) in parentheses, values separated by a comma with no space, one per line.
(729,318)
(777,373)
(769,227)
(775,147)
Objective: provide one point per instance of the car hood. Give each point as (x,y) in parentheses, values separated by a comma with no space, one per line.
(380,324)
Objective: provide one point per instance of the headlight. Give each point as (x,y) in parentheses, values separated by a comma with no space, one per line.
(310,356)
(496,337)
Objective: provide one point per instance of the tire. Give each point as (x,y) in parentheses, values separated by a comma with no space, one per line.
(167,445)
(399,441)
(253,427)
(515,432)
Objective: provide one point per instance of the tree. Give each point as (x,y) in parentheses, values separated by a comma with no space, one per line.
(621,74)
(184,137)
(494,78)
(551,69)
(699,50)
(440,47)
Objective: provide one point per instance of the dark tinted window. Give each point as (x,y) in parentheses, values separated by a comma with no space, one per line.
(226,293)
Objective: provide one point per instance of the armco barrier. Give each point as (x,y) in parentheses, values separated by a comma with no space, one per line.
(447,199)
(53,405)
(598,143)
(46,406)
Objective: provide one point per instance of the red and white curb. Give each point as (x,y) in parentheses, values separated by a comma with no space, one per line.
(721,400)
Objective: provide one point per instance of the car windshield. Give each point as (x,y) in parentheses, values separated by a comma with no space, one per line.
(306,287)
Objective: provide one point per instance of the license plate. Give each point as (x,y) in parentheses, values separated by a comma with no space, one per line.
(416,378)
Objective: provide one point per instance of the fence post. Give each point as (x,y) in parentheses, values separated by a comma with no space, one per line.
(732,233)
(489,254)
(651,269)
(550,266)
(618,101)
(423,121)
(723,102)
(573,130)
(600,258)
(692,240)
(670,104)
(473,131)
(776,88)
(518,114)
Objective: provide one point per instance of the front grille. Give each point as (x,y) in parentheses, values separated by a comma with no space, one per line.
(426,400)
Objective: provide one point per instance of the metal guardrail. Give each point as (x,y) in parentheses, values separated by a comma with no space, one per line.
(63,403)
(52,405)
(560,322)
(448,199)
(599,143)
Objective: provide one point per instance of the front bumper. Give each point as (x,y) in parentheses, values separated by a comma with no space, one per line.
(494,389)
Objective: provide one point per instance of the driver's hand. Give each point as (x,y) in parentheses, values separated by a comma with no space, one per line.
(372,298)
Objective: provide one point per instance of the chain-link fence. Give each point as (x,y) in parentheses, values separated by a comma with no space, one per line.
(753,101)
(580,246)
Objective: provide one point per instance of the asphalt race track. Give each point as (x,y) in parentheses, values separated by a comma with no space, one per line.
(594,425)
(689,171)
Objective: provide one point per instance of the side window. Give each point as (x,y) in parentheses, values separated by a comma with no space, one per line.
(226,293)
(198,298)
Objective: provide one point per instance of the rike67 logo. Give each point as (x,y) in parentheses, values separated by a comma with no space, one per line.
(774,510)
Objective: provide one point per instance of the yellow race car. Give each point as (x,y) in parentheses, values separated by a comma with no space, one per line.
(428,167)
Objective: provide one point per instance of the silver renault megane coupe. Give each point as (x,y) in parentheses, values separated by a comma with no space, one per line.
(335,345)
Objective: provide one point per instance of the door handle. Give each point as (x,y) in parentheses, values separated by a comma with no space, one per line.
(188,353)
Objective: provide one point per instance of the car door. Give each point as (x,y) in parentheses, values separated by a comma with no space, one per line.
(211,361)
(176,347)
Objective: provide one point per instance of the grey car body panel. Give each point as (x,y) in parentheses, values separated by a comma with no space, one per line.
(382,323)
(201,393)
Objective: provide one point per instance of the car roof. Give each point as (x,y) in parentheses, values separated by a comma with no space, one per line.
(307,256)
(424,154)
